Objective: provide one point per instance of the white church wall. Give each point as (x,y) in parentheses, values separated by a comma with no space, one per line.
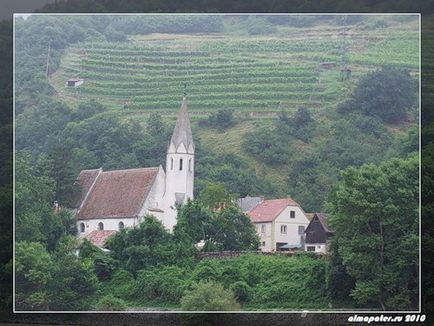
(108,223)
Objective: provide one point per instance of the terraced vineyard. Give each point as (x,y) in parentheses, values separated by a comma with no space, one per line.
(254,74)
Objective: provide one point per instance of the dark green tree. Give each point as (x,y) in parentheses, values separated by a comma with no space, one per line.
(374,215)
(386,93)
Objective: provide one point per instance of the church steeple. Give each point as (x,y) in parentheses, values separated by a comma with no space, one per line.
(179,166)
(182,132)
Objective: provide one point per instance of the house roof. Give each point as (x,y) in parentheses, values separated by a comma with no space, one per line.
(99,237)
(119,193)
(248,203)
(269,210)
(323,220)
(182,132)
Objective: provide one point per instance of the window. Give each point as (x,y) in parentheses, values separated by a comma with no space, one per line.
(310,248)
(121,225)
(301,229)
(262,228)
(171,163)
(81,227)
(180,164)
(292,214)
(263,243)
(100,226)
(189,165)
(283,229)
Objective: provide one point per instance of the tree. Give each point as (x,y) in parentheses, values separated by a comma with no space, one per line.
(374,215)
(386,93)
(193,222)
(74,282)
(233,230)
(208,296)
(214,194)
(33,267)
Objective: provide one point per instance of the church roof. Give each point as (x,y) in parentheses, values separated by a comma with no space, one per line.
(182,133)
(269,210)
(113,194)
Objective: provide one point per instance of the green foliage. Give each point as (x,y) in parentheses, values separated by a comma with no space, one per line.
(110,303)
(122,284)
(34,271)
(193,222)
(104,265)
(223,119)
(301,125)
(214,194)
(242,291)
(148,244)
(233,230)
(258,25)
(208,296)
(386,93)
(226,229)
(164,284)
(74,281)
(374,214)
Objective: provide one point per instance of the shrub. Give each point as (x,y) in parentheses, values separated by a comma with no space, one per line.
(110,303)
(122,284)
(164,284)
(241,291)
(207,296)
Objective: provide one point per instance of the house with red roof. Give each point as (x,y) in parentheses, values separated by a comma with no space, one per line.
(109,201)
(280,223)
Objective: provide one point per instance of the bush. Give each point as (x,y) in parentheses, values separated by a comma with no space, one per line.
(241,291)
(122,284)
(209,296)
(164,284)
(110,303)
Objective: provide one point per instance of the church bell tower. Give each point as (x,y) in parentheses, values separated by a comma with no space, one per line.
(179,165)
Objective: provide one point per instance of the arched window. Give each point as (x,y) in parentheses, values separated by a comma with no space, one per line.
(171,163)
(121,226)
(189,165)
(82,227)
(100,226)
(180,164)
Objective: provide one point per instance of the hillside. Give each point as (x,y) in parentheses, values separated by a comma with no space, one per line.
(253,73)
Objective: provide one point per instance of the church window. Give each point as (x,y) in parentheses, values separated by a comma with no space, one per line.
(121,225)
(189,165)
(81,227)
(100,226)
(171,163)
(180,164)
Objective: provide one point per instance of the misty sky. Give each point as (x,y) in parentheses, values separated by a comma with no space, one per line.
(17,6)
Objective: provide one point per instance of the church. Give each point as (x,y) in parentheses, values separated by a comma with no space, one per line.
(112,200)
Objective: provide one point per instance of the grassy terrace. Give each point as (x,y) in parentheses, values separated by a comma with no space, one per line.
(250,74)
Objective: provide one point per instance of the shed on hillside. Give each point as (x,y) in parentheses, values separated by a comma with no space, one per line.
(74,82)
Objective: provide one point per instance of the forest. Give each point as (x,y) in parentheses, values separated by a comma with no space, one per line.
(356,159)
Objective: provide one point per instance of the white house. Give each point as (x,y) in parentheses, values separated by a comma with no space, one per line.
(279,223)
(113,200)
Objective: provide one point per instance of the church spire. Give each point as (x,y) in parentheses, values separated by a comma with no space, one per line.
(182,133)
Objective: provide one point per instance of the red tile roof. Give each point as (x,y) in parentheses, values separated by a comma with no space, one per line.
(120,193)
(84,182)
(268,210)
(99,237)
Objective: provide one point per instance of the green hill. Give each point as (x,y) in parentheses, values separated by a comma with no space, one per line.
(253,73)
